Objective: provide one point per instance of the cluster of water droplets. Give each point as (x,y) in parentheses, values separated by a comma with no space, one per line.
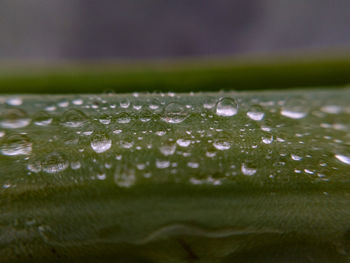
(189,138)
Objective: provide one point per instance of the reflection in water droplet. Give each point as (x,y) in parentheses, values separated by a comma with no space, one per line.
(175,113)
(73,118)
(256,113)
(14,118)
(249,171)
(125,103)
(343,158)
(54,163)
(124,176)
(16,145)
(226,107)
(100,143)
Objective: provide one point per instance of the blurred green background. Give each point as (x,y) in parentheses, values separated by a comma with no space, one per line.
(62,46)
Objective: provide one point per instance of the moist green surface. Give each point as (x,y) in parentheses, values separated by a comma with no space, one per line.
(176,177)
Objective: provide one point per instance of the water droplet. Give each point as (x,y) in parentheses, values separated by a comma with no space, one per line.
(75,165)
(154,104)
(125,103)
(78,102)
(42,118)
(17,144)
(222,144)
(295,108)
(175,113)
(100,143)
(54,163)
(101,176)
(248,170)
(193,165)
(267,139)
(34,165)
(14,118)
(331,109)
(73,118)
(296,157)
(256,113)
(14,101)
(105,119)
(124,176)
(226,107)
(183,142)
(343,158)
(127,143)
(167,148)
(123,118)
(162,164)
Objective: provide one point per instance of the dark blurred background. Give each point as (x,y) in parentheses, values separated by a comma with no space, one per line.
(138,29)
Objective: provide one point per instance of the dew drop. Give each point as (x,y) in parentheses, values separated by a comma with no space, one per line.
(226,107)
(295,108)
(222,144)
(161,164)
(101,176)
(124,176)
(14,118)
(17,144)
(42,118)
(256,113)
(296,157)
(167,148)
(73,118)
(343,158)
(54,163)
(175,113)
(75,165)
(14,101)
(125,103)
(123,118)
(248,170)
(183,142)
(100,143)
(267,139)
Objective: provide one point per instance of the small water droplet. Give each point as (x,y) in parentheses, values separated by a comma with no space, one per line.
(175,113)
(100,143)
(75,165)
(256,113)
(125,103)
(222,144)
(248,170)
(267,139)
(73,118)
(296,157)
(54,163)
(123,118)
(124,176)
(226,107)
(183,142)
(17,144)
(167,148)
(101,176)
(162,164)
(193,165)
(78,102)
(14,101)
(14,118)
(295,108)
(42,118)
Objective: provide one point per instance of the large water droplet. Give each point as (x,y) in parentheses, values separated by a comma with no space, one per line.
(256,113)
(54,163)
(14,118)
(16,145)
(101,143)
(175,113)
(226,107)
(73,118)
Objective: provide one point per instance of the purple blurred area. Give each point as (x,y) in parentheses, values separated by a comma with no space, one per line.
(132,29)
